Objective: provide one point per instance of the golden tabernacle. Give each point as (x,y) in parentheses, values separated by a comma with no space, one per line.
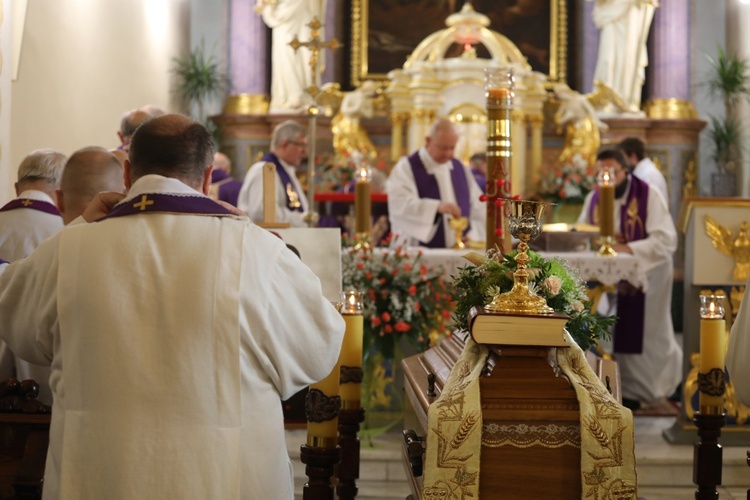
(544,419)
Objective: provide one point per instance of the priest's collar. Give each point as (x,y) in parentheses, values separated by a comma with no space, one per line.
(153,183)
(33,194)
(430,164)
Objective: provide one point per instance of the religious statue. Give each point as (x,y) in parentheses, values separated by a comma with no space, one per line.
(581,123)
(290,70)
(622,59)
(348,135)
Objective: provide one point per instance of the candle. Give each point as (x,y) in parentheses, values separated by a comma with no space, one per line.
(322,426)
(499,93)
(712,353)
(607,210)
(351,351)
(362,202)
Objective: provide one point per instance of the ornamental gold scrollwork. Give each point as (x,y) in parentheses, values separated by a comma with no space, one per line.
(690,187)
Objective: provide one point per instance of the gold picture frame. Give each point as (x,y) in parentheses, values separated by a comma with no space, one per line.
(362,55)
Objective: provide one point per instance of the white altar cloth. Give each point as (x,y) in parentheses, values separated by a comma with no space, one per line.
(605,270)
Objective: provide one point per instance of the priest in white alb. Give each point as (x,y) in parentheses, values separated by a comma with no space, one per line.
(174,328)
(430,186)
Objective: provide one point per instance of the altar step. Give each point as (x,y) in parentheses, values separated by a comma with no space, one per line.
(665,472)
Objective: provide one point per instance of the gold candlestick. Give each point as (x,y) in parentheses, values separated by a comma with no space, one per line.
(525,223)
(363,207)
(499,93)
(606,210)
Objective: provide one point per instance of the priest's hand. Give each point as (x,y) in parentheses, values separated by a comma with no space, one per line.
(622,248)
(101,205)
(449,209)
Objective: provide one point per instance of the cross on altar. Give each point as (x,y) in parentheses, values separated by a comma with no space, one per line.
(315,45)
(143,203)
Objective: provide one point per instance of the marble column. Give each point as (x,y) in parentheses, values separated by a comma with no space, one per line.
(590,36)
(738,43)
(669,54)
(248,44)
(329,21)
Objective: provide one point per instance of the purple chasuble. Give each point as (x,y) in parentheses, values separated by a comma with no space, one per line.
(481,179)
(427,187)
(149,203)
(631,302)
(286,181)
(4,262)
(225,187)
(42,206)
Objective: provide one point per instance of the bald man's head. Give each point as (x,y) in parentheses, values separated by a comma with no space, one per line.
(88,171)
(222,162)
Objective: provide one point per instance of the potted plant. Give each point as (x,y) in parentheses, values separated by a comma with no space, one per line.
(199,79)
(729,81)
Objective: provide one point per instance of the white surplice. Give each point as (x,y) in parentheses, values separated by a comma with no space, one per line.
(21,231)
(172,339)
(657,371)
(738,351)
(250,199)
(647,171)
(413,218)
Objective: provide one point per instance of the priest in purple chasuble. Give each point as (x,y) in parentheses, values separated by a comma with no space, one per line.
(168,363)
(645,347)
(288,149)
(25,222)
(224,187)
(428,187)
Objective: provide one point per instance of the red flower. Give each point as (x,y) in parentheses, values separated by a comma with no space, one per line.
(423,270)
(407,268)
(382,281)
(386,316)
(360,265)
(388,329)
(375,321)
(413,290)
(368,276)
(402,326)
(417,306)
(446,314)
(372,293)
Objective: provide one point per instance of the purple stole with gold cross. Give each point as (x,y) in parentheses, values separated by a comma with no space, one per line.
(631,302)
(289,190)
(427,187)
(169,204)
(42,206)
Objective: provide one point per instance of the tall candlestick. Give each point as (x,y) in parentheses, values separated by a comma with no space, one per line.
(362,201)
(499,84)
(711,378)
(269,192)
(351,350)
(311,217)
(606,210)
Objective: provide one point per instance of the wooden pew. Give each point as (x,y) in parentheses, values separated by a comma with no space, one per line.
(24,438)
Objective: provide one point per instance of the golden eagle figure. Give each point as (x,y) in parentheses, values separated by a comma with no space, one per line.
(738,248)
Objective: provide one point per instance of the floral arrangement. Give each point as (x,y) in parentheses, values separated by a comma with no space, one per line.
(566,183)
(554,280)
(403,298)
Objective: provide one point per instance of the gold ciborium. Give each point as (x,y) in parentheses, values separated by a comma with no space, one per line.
(458,224)
(524,223)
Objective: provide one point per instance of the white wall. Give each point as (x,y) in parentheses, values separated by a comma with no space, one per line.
(85,62)
(6,68)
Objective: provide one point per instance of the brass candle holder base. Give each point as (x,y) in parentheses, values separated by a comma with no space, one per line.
(525,223)
(607,249)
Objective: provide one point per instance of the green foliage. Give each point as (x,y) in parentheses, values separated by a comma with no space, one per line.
(725,135)
(554,280)
(730,79)
(199,79)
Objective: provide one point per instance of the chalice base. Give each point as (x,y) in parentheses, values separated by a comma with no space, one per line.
(362,241)
(606,249)
(519,300)
(460,245)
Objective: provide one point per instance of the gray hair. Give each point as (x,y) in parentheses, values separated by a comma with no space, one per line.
(287,131)
(134,118)
(441,125)
(42,164)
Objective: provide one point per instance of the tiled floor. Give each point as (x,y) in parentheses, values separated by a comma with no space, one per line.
(664,470)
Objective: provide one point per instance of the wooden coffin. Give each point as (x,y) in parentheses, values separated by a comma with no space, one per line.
(521,385)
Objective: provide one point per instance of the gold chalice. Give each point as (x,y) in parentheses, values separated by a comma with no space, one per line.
(524,223)
(458,224)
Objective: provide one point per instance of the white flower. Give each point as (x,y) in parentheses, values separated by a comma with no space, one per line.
(577,305)
(552,285)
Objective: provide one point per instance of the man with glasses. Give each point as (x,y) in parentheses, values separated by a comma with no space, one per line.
(288,149)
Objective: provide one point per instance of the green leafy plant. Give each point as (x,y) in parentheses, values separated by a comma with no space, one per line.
(199,78)
(554,280)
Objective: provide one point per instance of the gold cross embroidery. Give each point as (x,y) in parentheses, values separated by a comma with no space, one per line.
(26,202)
(143,203)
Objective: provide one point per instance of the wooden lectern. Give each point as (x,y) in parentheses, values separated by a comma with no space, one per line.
(521,385)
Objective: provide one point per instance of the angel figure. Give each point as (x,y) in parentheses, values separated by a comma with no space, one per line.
(738,248)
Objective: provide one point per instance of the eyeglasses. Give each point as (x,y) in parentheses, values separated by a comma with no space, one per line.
(298,143)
